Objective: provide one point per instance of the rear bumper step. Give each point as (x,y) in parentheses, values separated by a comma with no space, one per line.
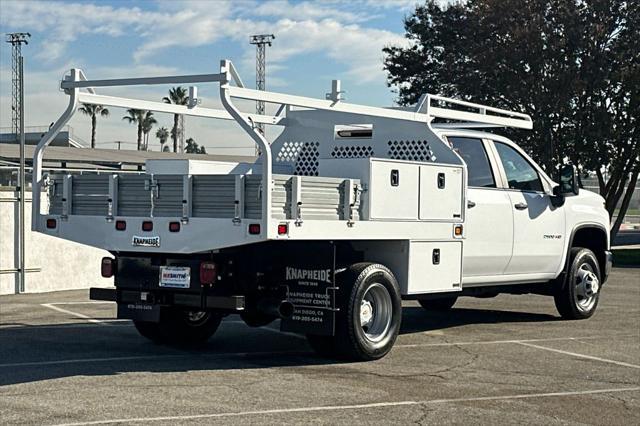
(229,303)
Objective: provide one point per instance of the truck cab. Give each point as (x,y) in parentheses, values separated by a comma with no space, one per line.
(350,210)
(518,221)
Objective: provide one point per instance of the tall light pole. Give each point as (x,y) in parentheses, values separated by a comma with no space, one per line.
(261,41)
(16,40)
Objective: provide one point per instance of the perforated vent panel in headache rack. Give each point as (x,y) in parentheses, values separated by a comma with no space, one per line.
(303,155)
(411,150)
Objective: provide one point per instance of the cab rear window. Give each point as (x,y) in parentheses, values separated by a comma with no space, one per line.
(473,153)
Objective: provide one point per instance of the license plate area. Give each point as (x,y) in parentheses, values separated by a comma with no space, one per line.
(175,277)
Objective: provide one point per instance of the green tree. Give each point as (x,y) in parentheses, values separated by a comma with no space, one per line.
(93,111)
(178,96)
(163,135)
(147,124)
(193,148)
(572,65)
(136,116)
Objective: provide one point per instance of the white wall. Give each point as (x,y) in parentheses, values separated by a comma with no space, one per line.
(57,264)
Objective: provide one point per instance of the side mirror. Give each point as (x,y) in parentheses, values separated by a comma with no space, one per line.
(568,180)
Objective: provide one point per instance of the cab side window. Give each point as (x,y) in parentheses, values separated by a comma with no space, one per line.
(473,153)
(520,173)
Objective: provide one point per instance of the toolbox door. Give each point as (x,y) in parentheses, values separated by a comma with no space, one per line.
(393,190)
(441,193)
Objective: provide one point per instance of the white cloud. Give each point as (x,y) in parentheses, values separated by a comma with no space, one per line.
(64,23)
(307,10)
(336,30)
(324,28)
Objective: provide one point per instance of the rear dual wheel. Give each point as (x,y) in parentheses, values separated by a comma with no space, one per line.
(180,327)
(369,316)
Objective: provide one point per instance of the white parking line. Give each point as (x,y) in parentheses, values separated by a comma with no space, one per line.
(352,407)
(199,356)
(111,323)
(75,314)
(577,355)
(498,342)
(89,360)
(241,354)
(88,302)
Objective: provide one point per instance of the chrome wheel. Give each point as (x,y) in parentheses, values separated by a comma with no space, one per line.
(376,311)
(587,287)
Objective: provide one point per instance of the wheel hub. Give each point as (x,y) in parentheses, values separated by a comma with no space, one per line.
(376,311)
(195,316)
(587,287)
(366,313)
(588,284)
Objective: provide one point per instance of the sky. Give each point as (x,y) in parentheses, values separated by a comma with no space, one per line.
(315,42)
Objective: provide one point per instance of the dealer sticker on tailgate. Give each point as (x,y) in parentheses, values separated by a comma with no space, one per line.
(175,276)
(145,241)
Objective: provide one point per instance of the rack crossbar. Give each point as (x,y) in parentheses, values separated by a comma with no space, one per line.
(176,79)
(119,102)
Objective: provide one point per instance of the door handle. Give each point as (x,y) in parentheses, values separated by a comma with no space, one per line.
(470,204)
(521,206)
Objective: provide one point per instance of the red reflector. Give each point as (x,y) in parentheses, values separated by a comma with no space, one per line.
(51,224)
(107,267)
(147,226)
(208,272)
(283,229)
(254,228)
(121,225)
(174,226)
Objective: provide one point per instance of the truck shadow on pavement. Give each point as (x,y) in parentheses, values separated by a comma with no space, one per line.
(415,319)
(45,352)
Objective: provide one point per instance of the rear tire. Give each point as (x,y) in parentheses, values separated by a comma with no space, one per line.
(368,321)
(578,296)
(443,304)
(180,327)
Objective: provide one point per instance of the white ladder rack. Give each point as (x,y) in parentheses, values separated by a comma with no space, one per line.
(474,115)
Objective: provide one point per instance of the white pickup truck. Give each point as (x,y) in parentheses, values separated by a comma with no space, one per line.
(348,211)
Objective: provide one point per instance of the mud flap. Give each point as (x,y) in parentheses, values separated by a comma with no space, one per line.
(309,278)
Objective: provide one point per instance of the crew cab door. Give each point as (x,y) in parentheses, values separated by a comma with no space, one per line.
(538,226)
(489,217)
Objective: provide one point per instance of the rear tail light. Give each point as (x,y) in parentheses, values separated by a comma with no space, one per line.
(51,224)
(147,226)
(283,229)
(208,272)
(107,267)
(121,225)
(174,226)
(254,228)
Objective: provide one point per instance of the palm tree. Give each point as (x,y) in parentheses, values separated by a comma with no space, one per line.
(193,147)
(93,111)
(136,116)
(178,96)
(147,124)
(163,134)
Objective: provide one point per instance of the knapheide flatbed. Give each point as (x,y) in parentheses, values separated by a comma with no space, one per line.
(348,211)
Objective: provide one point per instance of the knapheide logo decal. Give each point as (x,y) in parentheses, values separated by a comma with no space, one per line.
(145,241)
(308,274)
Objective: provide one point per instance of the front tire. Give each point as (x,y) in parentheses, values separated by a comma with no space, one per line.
(578,296)
(180,327)
(368,321)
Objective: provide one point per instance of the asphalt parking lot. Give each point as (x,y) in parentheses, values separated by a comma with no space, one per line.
(507,360)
